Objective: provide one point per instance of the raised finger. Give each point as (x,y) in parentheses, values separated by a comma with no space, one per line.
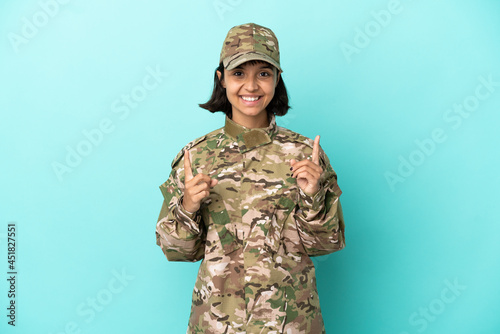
(315,154)
(187,167)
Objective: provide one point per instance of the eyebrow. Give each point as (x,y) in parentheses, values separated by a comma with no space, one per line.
(262,66)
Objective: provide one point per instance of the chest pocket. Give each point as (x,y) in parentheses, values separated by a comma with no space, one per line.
(215,213)
(282,210)
(282,238)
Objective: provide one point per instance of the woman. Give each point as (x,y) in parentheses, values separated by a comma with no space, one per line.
(253,200)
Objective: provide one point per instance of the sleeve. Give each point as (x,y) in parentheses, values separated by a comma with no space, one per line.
(319,218)
(180,234)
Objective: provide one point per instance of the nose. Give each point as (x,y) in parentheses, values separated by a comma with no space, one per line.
(251,83)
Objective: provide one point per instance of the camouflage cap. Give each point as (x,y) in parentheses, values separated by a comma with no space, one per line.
(250,41)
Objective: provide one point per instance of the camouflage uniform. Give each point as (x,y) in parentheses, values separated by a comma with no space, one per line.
(255,232)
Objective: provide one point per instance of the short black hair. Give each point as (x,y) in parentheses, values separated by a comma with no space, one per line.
(219,102)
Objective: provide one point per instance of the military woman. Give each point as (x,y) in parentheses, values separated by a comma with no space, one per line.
(253,201)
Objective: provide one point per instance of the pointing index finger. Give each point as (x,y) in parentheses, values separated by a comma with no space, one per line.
(187,166)
(315,153)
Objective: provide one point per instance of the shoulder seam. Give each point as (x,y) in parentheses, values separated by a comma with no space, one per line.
(300,138)
(193,143)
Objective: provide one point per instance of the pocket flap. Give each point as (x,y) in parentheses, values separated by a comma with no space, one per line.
(223,226)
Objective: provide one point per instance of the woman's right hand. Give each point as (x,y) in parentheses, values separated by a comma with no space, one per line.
(196,188)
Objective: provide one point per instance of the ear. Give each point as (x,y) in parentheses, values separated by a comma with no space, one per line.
(277,79)
(219,75)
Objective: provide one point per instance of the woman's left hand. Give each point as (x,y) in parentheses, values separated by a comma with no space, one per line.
(308,171)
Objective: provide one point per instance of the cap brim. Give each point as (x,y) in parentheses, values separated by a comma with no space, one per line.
(235,61)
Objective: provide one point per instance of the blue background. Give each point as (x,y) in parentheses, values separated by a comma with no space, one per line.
(373,86)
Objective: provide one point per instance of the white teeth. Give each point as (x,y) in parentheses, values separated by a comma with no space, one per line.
(250,99)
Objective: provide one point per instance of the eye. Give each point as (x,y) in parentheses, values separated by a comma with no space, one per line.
(238,73)
(265,74)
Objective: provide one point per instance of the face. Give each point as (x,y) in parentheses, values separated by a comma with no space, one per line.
(249,88)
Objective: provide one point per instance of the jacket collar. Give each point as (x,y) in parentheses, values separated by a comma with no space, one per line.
(249,139)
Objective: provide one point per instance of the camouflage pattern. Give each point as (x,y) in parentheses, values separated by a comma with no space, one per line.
(250,42)
(255,232)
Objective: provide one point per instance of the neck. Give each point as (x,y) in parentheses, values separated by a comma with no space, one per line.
(250,122)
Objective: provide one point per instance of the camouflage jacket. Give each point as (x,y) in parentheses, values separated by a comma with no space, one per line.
(255,232)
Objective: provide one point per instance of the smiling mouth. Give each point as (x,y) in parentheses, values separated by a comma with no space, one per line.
(251,98)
